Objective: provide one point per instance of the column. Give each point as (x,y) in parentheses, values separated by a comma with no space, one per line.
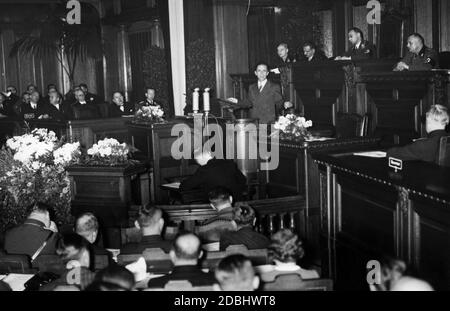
(124,62)
(177,49)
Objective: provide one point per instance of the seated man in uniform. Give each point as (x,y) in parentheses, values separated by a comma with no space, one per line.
(425,149)
(214,173)
(149,99)
(361,49)
(419,57)
(284,58)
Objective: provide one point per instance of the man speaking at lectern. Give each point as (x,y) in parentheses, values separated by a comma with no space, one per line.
(265,96)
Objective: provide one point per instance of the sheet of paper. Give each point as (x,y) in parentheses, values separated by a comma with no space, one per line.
(17,281)
(174,185)
(319,139)
(372,154)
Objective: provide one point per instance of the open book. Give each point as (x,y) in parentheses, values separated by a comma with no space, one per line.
(371,154)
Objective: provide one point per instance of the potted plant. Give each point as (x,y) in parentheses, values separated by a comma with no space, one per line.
(32,169)
(293,128)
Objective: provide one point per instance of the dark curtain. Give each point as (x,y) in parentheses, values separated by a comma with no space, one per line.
(139,42)
(261,37)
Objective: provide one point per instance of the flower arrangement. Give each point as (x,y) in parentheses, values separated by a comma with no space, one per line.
(293,127)
(32,169)
(108,152)
(150,114)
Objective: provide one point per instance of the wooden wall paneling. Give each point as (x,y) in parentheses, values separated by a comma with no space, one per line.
(423,10)
(445,25)
(326,25)
(111,64)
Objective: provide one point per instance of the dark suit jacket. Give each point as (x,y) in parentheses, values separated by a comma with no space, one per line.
(92,98)
(425,149)
(86,111)
(427,59)
(318,57)
(28,237)
(265,104)
(4,109)
(115,112)
(64,113)
(213,228)
(217,173)
(245,236)
(149,241)
(366,50)
(29,113)
(192,274)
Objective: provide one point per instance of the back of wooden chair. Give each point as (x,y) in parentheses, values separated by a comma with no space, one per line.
(257,256)
(293,282)
(157,260)
(350,125)
(444,152)
(175,286)
(14,264)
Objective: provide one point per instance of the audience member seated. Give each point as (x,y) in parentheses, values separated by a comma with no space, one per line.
(87,226)
(74,251)
(4,109)
(214,173)
(236,273)
(393,277)
(114,278)
(425,149)
(82,109)
(36,236)
(285,250)
(11,95)
(31,88)
(34,110)
(90,97)
(151,224)
(212,229)
(419,56)
(56,109)
(118,107)
(185,255)
(244,216)
(16,108)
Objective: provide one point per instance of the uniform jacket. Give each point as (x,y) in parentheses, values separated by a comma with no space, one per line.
(149,241)
(427,59)
(115,112)
(366,50)
(245,236)
(29,237)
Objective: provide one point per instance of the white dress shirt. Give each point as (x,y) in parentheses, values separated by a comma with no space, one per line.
(261,85)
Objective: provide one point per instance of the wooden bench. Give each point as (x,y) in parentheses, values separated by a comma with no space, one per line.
(293,282)
(15,264)
(54,264)
(159,262)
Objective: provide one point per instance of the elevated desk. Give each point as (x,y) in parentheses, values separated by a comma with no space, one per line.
(367,211)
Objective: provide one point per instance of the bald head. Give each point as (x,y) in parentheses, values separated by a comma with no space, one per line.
(409,284)
(186,249)
(87,226)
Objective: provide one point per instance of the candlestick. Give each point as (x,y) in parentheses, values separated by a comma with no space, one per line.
(195,100)
(206,105)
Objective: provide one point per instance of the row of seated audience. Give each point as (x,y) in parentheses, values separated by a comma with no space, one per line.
(38,235)
(78,104)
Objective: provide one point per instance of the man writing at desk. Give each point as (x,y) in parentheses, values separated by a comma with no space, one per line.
(361,49)
(214,173)
(425,149)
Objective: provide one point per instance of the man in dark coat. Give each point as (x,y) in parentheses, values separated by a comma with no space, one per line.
(244,216)
(425,149)
(419,56)
(214,173)
(312,55)
(34,110)
(361,49)
(185,255)
(149,99)
(58,110)
(265,96)
(118,107)
(150,221)
(84,110)
(36,233)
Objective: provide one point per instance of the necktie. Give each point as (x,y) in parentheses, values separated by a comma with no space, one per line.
(260,87)
(122,109)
